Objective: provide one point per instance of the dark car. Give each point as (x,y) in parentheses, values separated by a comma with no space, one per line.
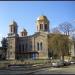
(66,63)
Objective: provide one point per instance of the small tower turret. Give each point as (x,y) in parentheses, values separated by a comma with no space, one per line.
(23,33)
(42,24)
(13,28)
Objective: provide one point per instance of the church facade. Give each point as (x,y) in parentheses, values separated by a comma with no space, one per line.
(28,47)
(35,46)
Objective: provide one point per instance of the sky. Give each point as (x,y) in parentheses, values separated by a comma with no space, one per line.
(25,13)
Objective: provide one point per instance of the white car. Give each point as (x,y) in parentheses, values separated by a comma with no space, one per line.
(72,62)
(57,64)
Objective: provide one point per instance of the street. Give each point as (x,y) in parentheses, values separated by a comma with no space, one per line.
(22,71)
(65,70)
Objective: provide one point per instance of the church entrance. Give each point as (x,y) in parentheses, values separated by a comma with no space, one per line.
(26,56)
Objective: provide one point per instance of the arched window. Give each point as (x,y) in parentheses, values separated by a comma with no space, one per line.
(14,29)
(41,26)
(23,47)
(45,27)
(41,45)
(22,33)
(38,46)
(26,46)
(19,46)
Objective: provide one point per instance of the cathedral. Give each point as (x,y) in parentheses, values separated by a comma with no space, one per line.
(36,46)
(28,47)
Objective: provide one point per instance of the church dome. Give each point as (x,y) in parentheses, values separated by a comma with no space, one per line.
(23,30)
(42,18)
(13,23)
(42,23)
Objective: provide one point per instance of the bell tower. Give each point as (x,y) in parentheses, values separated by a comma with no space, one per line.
(13,29)
(23,33)
(42,24)
(12,41)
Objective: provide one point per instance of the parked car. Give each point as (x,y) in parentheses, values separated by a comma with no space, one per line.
(72,62)
(66,63)
(57,64)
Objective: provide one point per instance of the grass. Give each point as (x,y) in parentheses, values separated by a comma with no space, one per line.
(4,64)
(29,61)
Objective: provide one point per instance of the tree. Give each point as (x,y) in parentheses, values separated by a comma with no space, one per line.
(59,45)
(66,27)
(4,43)
(56,30)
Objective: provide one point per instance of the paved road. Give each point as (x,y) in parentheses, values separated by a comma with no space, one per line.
(22,71)
(65,70)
